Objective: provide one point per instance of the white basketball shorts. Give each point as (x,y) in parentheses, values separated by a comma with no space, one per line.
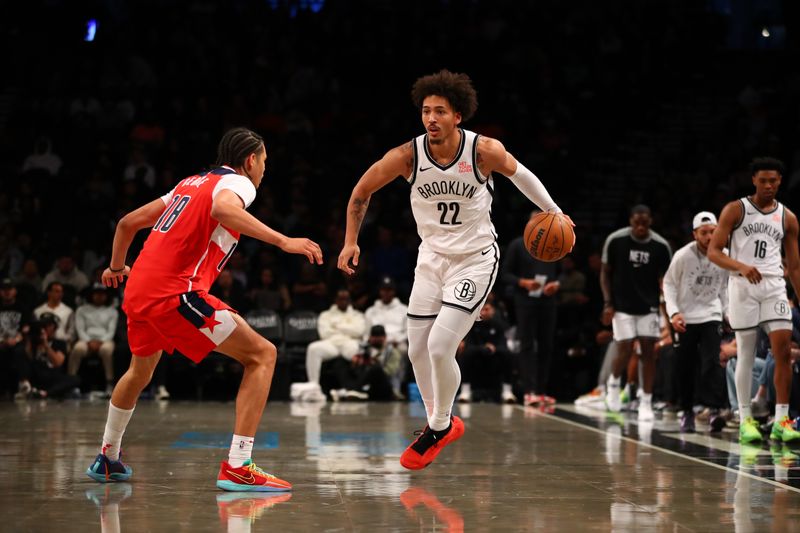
(459,281)
(627,327)
(751,305)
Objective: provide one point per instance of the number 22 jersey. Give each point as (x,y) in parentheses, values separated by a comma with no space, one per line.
(452,203)
(187,248)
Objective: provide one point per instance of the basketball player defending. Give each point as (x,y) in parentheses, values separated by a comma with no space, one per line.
(756,226)
(195,229)
(449,173)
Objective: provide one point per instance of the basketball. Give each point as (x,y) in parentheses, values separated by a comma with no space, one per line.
(548,236)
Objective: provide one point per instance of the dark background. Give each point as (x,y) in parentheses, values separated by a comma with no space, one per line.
(610,103)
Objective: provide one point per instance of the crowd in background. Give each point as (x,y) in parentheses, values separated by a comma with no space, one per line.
(610,105)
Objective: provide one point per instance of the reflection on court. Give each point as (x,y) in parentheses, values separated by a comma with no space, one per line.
(516,469)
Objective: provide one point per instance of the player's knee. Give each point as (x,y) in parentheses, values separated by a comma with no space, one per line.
(264,353)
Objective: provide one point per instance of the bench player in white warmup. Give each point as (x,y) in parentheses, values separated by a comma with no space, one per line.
(756,227)
(449,170)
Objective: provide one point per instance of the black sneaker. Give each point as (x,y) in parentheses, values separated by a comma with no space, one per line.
(717,423)
(687,422)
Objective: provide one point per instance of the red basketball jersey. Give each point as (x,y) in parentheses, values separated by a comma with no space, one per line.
(186,249)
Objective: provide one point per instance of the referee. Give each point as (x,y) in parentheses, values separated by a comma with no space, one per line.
(695,293)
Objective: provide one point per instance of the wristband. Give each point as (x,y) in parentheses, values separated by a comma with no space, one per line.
(115,270)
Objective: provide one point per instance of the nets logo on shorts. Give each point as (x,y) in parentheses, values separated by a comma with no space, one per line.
(782,308)
(465,290)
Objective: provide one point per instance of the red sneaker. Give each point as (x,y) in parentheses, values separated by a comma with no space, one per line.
(249,478)
(424,450)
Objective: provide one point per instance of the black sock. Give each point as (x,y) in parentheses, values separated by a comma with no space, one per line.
(442,432)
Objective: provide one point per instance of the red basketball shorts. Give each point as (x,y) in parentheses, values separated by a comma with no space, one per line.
(193,323)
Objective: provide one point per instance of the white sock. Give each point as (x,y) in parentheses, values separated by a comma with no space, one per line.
(614,382)
(449,328)
(466,388)
(241,450)
(781,410)
(647,398)
(746,354)
(507,388)
(745,412)
(116,423)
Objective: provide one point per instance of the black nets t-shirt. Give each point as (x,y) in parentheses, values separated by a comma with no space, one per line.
(636,267)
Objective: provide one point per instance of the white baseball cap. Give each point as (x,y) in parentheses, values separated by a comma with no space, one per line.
(702,218)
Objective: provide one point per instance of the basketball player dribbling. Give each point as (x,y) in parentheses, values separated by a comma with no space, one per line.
(755,228)
(449,170)
(195,229)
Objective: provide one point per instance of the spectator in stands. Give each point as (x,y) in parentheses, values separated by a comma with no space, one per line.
(389,312)
(341,329)
(95,326)
(39,365)
(309,292)
(230,290)
(14,321)
(371,372)
(29,281)
(11,258)
(71,278)
(484,352)
(533,284)
(56,306)
(272,294)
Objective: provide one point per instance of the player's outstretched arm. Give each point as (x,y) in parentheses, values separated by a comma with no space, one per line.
(397,162)
(728,219)
(228,209)
(143,217)
(791,250)
(493,157)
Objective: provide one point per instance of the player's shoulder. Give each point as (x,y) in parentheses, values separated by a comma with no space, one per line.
(656,237)
(616,235)
(489,145)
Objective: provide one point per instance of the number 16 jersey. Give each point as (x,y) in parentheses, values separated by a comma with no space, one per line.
(758,238)
(452,203)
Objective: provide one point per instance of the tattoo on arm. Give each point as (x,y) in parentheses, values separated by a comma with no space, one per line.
(359,209)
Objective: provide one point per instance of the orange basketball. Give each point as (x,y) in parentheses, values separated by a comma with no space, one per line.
(548,236)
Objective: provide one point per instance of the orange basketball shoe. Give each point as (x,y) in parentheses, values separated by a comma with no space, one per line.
(424,450)
(249,478)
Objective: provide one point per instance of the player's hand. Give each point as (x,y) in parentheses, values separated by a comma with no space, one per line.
(115,279)
(349,253)
(751,273)
(573,225)
(306,247)
(678,323)
(607,315)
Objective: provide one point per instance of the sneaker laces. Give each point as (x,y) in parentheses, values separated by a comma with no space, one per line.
(425,439)
(255,469)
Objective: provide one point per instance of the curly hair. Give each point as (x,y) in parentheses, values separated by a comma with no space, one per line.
(455,87)
(767,163)
(236,145)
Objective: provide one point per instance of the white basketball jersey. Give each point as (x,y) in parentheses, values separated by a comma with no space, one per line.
(758,238)
(452,203)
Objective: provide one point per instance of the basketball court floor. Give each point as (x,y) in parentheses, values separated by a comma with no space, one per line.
(515,469)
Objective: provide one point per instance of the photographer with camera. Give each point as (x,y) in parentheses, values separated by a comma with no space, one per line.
(369,375)
(39,365)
